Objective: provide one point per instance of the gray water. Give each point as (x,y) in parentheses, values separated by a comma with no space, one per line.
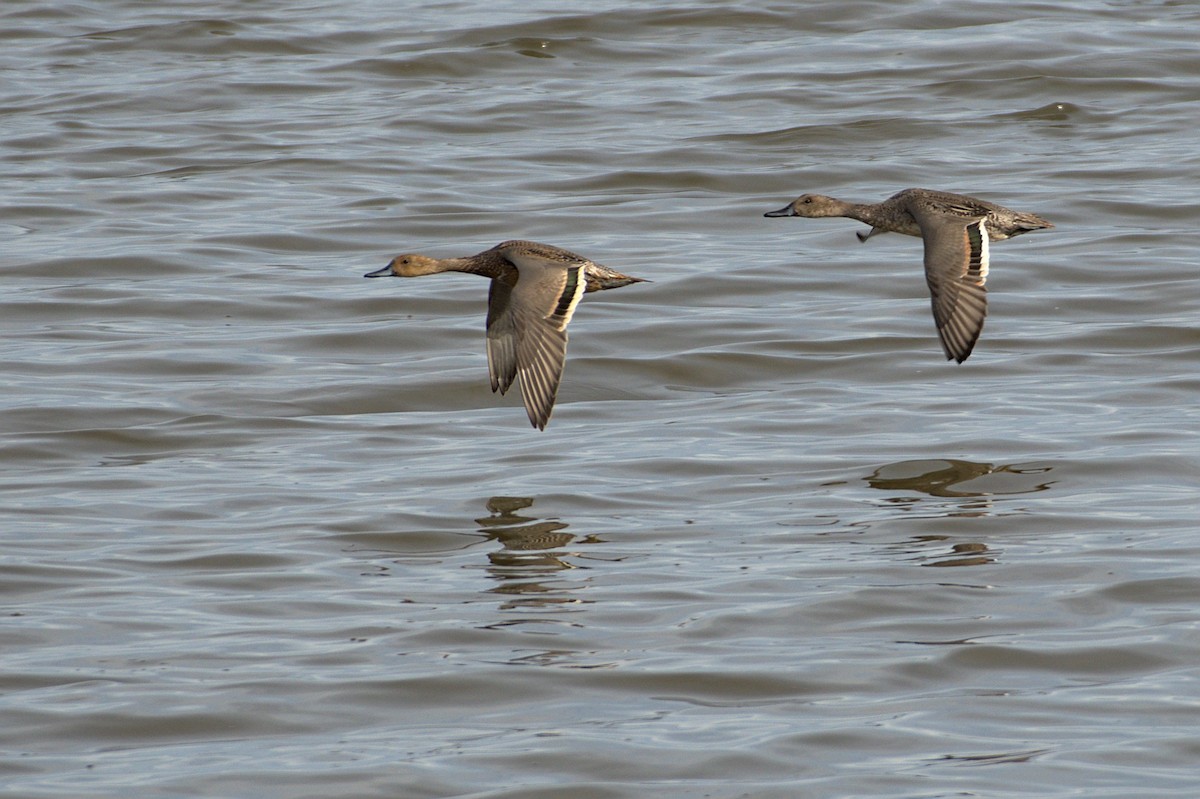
(267,532)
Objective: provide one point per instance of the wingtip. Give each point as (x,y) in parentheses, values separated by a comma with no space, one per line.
(964,349)
(958,357)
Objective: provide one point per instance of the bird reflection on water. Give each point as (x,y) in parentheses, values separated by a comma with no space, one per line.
(949,479)
(530,568)
(970,488)
(531,552)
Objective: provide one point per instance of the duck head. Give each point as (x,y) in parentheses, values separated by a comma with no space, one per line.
(407,266)
(811,206)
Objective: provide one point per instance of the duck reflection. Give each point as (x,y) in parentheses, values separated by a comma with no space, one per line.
(530,551)
(969,554)
(965,489)
(946,478)
(975,484)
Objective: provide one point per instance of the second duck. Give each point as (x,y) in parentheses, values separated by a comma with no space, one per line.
(956,230)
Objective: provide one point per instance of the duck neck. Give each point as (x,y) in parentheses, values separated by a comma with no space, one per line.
(495,268)
(870,213)
(458,265)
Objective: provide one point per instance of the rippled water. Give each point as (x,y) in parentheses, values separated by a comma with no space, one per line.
(268,533)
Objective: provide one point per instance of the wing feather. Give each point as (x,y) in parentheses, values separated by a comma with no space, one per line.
(543,301)
(956,268)
(501,337)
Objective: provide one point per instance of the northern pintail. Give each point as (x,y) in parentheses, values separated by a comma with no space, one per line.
(956,230)
(534,291)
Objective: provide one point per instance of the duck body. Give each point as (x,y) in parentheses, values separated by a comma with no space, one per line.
(535,289)
(956,230)
(899,213)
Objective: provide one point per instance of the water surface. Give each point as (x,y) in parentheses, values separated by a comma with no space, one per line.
(268,533)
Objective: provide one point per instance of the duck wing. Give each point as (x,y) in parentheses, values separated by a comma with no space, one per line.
(527,328)
(956,268)
(501,337)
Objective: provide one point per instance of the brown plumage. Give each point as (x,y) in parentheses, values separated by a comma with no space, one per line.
(534,291)
(956,230)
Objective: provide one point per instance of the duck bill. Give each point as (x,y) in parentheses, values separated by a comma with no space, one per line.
(385,272)
(785,211)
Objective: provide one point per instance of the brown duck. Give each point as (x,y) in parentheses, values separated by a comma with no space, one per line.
(956,230)
(535,290)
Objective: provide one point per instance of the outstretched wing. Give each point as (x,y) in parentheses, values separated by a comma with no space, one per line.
(956,268)
(527,328)
(501,337)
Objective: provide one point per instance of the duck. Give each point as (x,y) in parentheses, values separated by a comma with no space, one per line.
(956,230)
(535,289)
